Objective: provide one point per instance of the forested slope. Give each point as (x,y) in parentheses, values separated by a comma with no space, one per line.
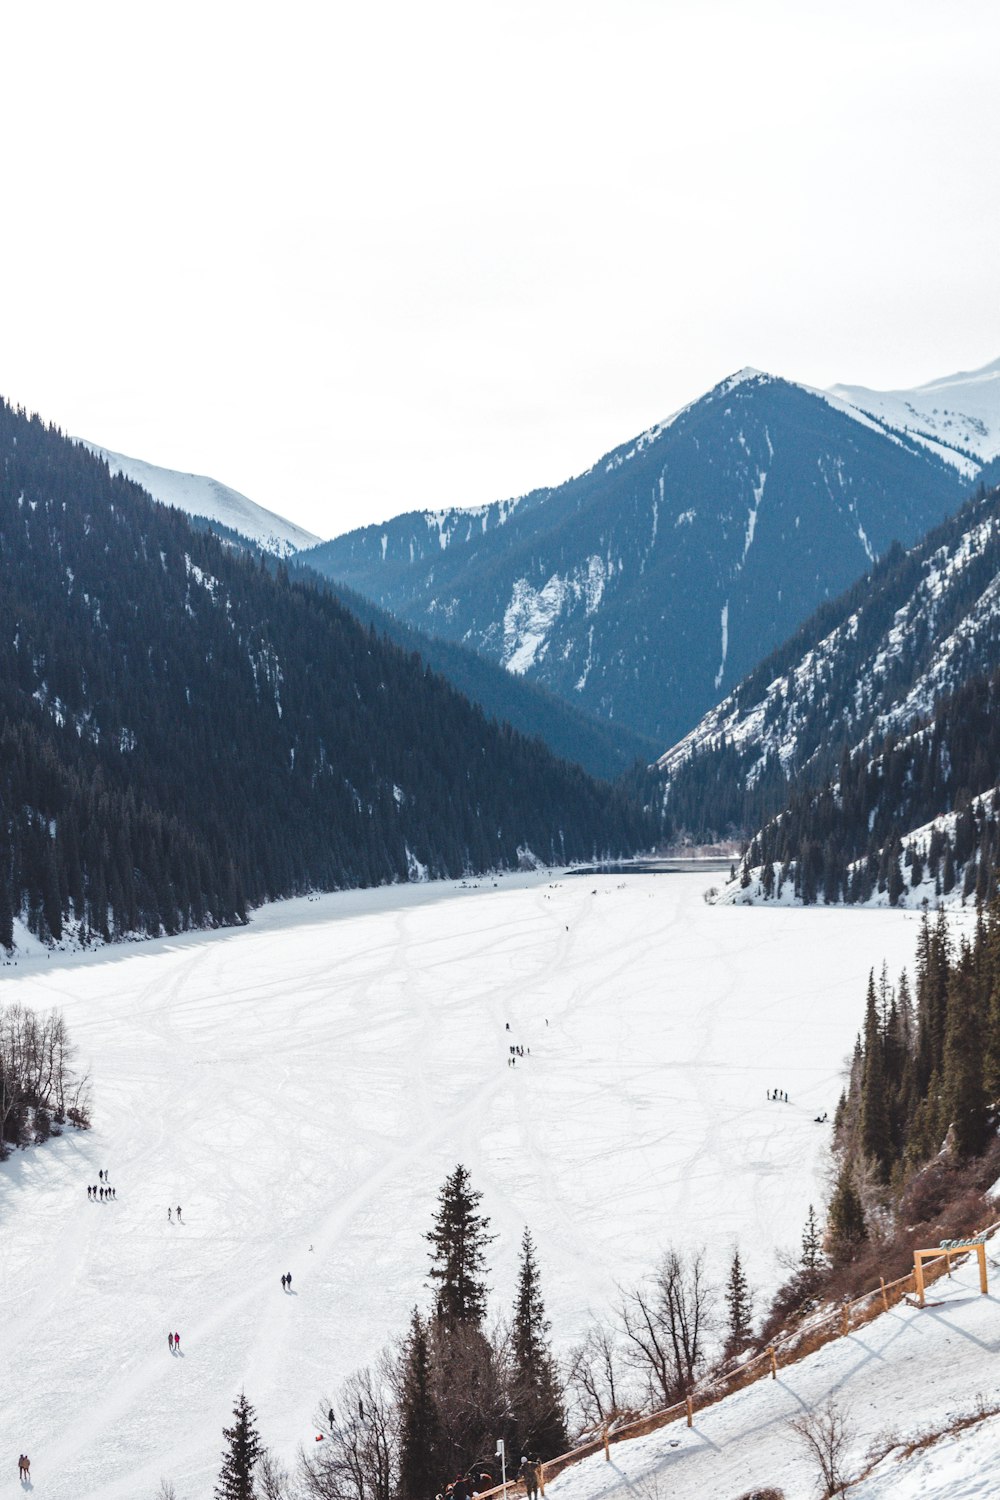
(183,734)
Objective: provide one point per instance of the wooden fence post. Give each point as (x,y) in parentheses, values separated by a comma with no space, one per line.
(983,1283)
(690,1407)
(774,1363)
(845,1318)
(604,1435)
(885,1299)
(541,1479)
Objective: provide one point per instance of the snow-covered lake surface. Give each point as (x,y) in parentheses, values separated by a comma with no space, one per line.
(303,1086)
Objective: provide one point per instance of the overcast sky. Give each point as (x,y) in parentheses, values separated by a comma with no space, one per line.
(354,259)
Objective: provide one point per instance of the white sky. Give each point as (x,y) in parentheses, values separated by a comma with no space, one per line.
(358,258)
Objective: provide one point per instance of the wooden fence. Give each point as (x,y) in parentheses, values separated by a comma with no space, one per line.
(796,1345)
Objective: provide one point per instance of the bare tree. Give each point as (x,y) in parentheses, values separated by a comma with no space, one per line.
(36,1073)
(358,1462)
(594,1376)
(166,1491)
(665,1320)
(826,1436)
(271,1480)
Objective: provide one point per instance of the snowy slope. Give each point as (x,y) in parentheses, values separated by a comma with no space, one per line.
(646,586)
(199,495)
(908,1373)
(918,632)
(309,1081)
(954,412)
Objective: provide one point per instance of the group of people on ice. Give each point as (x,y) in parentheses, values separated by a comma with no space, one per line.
(777,1094)
(98,1193)
(174,1343)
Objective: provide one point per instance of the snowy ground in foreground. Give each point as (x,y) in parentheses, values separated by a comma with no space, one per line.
(909,1373)
(309,1081)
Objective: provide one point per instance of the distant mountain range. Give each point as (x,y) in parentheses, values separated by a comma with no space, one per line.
(198,495)
(956,414)
(647,587)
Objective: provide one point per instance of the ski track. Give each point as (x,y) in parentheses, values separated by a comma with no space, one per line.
(310,1080)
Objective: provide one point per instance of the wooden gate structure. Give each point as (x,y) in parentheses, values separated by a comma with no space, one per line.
(949,1248)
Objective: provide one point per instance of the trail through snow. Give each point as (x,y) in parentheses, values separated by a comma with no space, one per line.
(302,1087)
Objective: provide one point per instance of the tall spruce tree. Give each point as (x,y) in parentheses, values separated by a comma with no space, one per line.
(420,1446)
(846,1227)
(812,1245)
(876,1143)
(739,1308)
(458,1261)
(536,1395)
(239,1460)
(964,1093)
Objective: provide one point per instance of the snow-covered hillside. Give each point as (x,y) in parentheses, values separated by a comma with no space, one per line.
(199,495)
(953,412)
(909,1375)
(302,1087)
(914,635)
(646,586)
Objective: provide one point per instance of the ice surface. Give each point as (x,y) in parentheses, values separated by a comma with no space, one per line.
(302,1087)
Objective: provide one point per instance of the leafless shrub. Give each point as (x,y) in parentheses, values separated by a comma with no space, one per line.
(826,1436)
(271,1480)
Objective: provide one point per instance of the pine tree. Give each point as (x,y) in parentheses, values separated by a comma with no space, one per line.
(420,1456)
(739,1304)
(875,1137)
(812,1245)
(240,1458)
(536,1396)
(846,1228)
(458,1261)
(964,1093)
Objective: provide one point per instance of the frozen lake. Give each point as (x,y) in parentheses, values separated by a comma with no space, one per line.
(303,1086)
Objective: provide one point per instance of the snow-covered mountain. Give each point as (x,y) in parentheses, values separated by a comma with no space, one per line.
(649,585)
(199,495)
(955,414)
(876,660)
(877,720)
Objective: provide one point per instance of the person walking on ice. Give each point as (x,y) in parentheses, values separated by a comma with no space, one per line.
(177,1341)
(178,1213)
(170,1342)
(169,1219)
(24,1468)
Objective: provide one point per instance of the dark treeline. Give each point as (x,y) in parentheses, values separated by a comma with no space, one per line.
(915,1144)
(926,1068)
(848,841)
(183,735)
(603,748)
(40,1087)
